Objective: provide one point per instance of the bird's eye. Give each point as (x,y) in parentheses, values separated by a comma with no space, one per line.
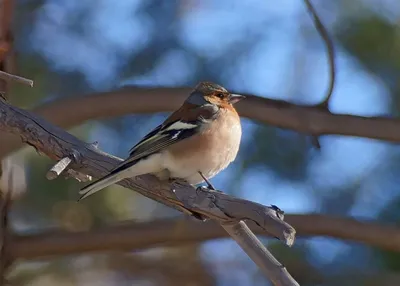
(220,95)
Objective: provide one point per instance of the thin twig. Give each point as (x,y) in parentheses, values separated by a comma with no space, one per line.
(6,55)
(78,176)
(58,168)
(11,77)
(330,49)
(268,264)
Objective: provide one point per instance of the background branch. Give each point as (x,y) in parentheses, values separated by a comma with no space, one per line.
(330,50)
(305,119)
(331,60)
(6,66)
(7,59)
(176,232)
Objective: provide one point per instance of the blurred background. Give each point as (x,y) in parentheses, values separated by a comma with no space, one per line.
(78,47)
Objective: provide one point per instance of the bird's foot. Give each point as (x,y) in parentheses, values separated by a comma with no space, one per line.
(209,185)
(207,188)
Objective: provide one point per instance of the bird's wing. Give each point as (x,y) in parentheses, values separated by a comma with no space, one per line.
(173,130)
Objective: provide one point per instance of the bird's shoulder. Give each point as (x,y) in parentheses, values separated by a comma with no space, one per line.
(193,113)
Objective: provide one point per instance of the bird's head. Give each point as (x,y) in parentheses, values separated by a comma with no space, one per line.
(208,92)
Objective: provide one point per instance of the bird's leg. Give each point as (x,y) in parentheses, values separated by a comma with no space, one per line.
(209,185)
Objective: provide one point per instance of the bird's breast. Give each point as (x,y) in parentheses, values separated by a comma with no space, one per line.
(209,151)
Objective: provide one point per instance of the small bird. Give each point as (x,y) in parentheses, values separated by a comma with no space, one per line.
(194,143)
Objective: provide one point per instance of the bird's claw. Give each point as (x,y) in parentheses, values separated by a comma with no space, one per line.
(209,185)
(206,188)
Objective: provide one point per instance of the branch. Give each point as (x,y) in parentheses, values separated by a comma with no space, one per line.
(329,47)
(7,59)
(58,144)
(6,9)
(324,105)
(10,77)
(309,120)
(271,267)
(178,232)
(58,168)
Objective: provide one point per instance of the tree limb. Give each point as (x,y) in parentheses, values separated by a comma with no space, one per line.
(309,120)
(268,264)
(58,144)
(131,236)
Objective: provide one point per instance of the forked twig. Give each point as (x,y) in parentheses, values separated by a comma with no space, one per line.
(331,59)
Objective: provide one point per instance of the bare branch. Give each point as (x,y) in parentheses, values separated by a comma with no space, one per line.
(61,165)
(78,176)
(6,9)
(6,57)
(268,264)
(58,168)
(329,47)
(162,232)
(10,77)
(305,119)
(331,58)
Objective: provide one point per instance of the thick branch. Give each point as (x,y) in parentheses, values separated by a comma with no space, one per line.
(306,119)
(58,144)
(175,232)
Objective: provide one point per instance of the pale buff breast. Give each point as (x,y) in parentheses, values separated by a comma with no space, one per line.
(211,151)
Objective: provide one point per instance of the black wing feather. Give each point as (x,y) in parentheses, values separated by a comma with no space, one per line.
(162,137)
(159,138)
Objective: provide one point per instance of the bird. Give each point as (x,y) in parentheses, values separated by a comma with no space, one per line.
(196,142)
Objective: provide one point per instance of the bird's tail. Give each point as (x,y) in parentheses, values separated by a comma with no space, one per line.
(100,184)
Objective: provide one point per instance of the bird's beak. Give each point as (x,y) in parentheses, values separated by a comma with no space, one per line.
(236,98)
